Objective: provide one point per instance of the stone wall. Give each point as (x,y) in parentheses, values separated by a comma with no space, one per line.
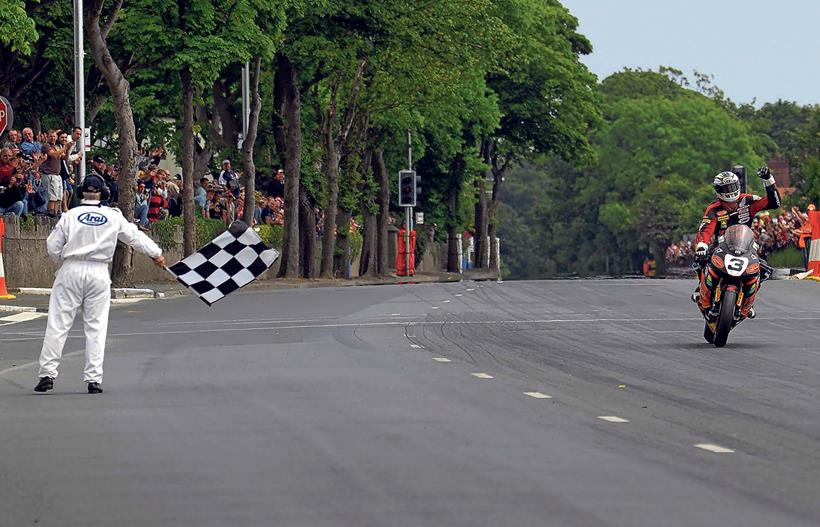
(25,258)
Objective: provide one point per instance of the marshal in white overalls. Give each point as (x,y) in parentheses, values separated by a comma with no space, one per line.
(84,240)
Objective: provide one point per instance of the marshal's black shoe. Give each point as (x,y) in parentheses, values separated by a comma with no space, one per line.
(45,384)
(94,387)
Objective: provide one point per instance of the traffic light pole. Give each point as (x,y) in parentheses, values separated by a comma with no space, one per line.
(408,211)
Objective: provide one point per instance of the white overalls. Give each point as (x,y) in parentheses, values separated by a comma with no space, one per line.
(85,239)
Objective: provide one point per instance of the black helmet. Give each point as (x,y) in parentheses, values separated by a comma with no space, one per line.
(92,184)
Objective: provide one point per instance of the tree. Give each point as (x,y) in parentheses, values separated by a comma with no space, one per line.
(248,144)
(657,156)
(122,270)
(546,98)
(199,38)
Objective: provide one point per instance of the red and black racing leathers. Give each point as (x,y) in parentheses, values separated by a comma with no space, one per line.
(717,218)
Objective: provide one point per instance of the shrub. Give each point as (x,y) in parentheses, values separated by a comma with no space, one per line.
(206,230)
(272,235)
(790,257)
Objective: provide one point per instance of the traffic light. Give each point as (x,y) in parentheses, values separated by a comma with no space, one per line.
(408,185)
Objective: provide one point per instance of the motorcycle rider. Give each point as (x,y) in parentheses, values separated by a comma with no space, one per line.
(730,208)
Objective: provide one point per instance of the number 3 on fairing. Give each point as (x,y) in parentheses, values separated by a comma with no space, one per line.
(735,266)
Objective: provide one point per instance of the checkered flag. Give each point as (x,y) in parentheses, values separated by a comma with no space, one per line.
(232,260)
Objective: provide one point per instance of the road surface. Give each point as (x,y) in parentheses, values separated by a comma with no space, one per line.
(555,403)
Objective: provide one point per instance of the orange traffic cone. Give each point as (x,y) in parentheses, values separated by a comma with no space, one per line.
(4,293)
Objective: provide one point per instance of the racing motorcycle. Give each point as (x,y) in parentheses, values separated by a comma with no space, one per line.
(735,260)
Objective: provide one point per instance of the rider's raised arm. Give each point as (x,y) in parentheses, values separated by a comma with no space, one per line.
(772,199)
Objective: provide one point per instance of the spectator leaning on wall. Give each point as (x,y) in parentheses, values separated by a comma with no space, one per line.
(13,198)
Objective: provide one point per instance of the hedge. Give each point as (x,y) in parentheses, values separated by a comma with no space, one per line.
(206,230)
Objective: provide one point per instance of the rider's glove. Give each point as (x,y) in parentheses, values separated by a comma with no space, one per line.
(700,250)
(764,172)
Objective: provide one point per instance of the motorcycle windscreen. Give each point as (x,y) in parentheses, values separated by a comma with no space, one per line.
(739,239)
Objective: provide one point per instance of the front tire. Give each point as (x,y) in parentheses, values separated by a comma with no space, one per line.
(726,317)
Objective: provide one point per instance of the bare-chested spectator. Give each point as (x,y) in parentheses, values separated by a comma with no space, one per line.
(51,170)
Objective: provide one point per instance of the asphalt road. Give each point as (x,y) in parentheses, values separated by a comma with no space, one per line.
(327,407)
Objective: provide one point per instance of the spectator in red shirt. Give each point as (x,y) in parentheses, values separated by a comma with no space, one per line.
(7,166)
(156,204)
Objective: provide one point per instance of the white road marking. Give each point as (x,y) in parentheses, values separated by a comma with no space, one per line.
(481,375)
(717,449)
(441,359)
(435,307)
(395,314)
(127,300)
(459,294)
(415,346)
(538,395)
(25,316)
(612,419)
(470,289)
(445,302)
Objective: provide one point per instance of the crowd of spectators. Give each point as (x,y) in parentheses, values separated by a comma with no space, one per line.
(773,232)
(39,174)
(37,171)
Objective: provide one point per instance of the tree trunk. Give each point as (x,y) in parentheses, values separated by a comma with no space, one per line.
(492,211)
(659,252)
(380,173)
(248,145)
(452,242)
(188,211)
(122,273)
(480,257)
(331,170)
(367,264)
(367,261)
(291,137)
(308,235)
(341,258)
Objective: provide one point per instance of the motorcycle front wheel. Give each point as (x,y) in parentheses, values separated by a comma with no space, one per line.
(726,317)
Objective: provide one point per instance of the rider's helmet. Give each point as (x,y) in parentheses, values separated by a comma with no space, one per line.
(727,187)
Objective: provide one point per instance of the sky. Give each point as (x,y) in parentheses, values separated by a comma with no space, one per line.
(755,49)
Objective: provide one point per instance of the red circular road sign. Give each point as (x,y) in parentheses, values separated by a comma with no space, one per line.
(6,115)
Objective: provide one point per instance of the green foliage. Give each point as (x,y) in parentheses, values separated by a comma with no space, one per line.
(356,241)
(546,95)
(271,235)
(656,157)
(164,231)
(790,257)
(17,30)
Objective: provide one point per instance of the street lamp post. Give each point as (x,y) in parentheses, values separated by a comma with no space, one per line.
(246,98)
(79,80)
